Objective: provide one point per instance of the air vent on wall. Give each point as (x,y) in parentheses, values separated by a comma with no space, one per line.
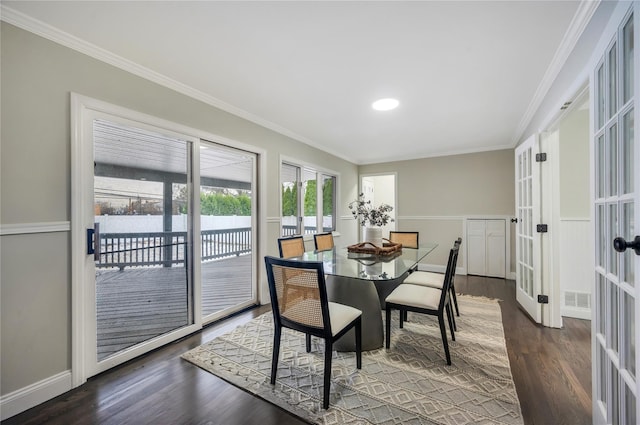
(577,299)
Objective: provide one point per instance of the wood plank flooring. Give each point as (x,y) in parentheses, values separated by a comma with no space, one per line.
(551,369)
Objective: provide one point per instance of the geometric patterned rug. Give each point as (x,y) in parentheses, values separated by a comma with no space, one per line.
(408,384)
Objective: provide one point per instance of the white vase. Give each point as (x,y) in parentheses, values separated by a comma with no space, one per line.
(372,235)
(373,270)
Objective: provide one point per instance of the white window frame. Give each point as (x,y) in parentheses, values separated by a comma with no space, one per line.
(320,173)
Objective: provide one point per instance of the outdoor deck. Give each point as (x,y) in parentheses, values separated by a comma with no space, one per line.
(136,304)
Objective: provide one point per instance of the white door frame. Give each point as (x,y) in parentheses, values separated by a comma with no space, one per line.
(550,241)
(394,225)
(84,356)
(82,315)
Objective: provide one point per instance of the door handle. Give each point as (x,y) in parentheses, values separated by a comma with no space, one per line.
(620,245)
(93,241)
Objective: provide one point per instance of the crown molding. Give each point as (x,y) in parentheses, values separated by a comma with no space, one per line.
(52,33)
(580,20)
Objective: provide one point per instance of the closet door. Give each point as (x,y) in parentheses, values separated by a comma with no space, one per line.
(495,245)
(476,247)
(486,247)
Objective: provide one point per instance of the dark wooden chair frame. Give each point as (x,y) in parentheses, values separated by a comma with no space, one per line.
(452,287)
(324,333)
(444,307)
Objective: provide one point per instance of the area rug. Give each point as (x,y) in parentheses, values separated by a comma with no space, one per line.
(408,384)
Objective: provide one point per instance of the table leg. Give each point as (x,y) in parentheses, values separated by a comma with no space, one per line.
(362,295)
(367,296)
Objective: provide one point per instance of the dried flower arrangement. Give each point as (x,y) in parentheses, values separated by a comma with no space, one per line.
(368,214)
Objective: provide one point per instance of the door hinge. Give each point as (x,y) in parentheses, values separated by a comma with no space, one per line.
(541,157)
(543,299)
(542,228)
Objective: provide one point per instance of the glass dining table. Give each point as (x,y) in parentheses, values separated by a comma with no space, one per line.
(364,281)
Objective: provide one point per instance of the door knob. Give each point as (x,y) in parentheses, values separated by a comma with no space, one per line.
(620,245)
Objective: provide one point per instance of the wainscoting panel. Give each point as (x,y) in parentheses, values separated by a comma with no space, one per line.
(576,267)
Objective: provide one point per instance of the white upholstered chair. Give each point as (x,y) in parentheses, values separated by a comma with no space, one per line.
(424,300)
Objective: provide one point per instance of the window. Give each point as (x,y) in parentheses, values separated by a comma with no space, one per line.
(307,207)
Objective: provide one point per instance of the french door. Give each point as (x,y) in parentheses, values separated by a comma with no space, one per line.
(616,191)
(528,277)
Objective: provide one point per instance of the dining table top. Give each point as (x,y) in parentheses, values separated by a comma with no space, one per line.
(338,261)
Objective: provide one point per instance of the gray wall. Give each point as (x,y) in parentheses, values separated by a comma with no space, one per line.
(434,193)
(37,77)
(574,165)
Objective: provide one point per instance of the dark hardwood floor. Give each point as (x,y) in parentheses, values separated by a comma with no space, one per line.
(551,369)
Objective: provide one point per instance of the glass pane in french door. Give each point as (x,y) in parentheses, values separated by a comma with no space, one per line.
(226,228)
(142,277)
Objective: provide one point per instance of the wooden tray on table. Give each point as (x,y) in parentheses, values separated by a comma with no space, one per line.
(387,248)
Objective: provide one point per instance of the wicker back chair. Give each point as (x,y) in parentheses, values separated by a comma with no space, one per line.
(407,239)
(291,247)
(308,311)
(323,241)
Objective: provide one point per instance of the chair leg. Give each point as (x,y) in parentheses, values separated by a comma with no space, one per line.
(359,343)
(443,332)
(401,318)
(388,326)
(328,351)
(276,353)
(455,299)
(406,316)
(308,342)
(453,319)
(450,319)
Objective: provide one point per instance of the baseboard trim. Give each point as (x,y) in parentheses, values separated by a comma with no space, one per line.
(25,398)
(576,313)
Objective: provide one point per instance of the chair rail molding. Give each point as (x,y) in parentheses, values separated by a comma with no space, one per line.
(30,228)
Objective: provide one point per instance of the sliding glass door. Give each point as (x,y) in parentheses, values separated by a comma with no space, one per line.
(227,220)
(142,238)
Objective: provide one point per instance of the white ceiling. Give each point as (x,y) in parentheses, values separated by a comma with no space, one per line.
(466,73)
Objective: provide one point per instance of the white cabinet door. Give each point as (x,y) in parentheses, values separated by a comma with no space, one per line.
(476,247)
(486,247)
(495,242)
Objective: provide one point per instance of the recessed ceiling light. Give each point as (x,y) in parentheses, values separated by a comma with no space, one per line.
(385,104)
